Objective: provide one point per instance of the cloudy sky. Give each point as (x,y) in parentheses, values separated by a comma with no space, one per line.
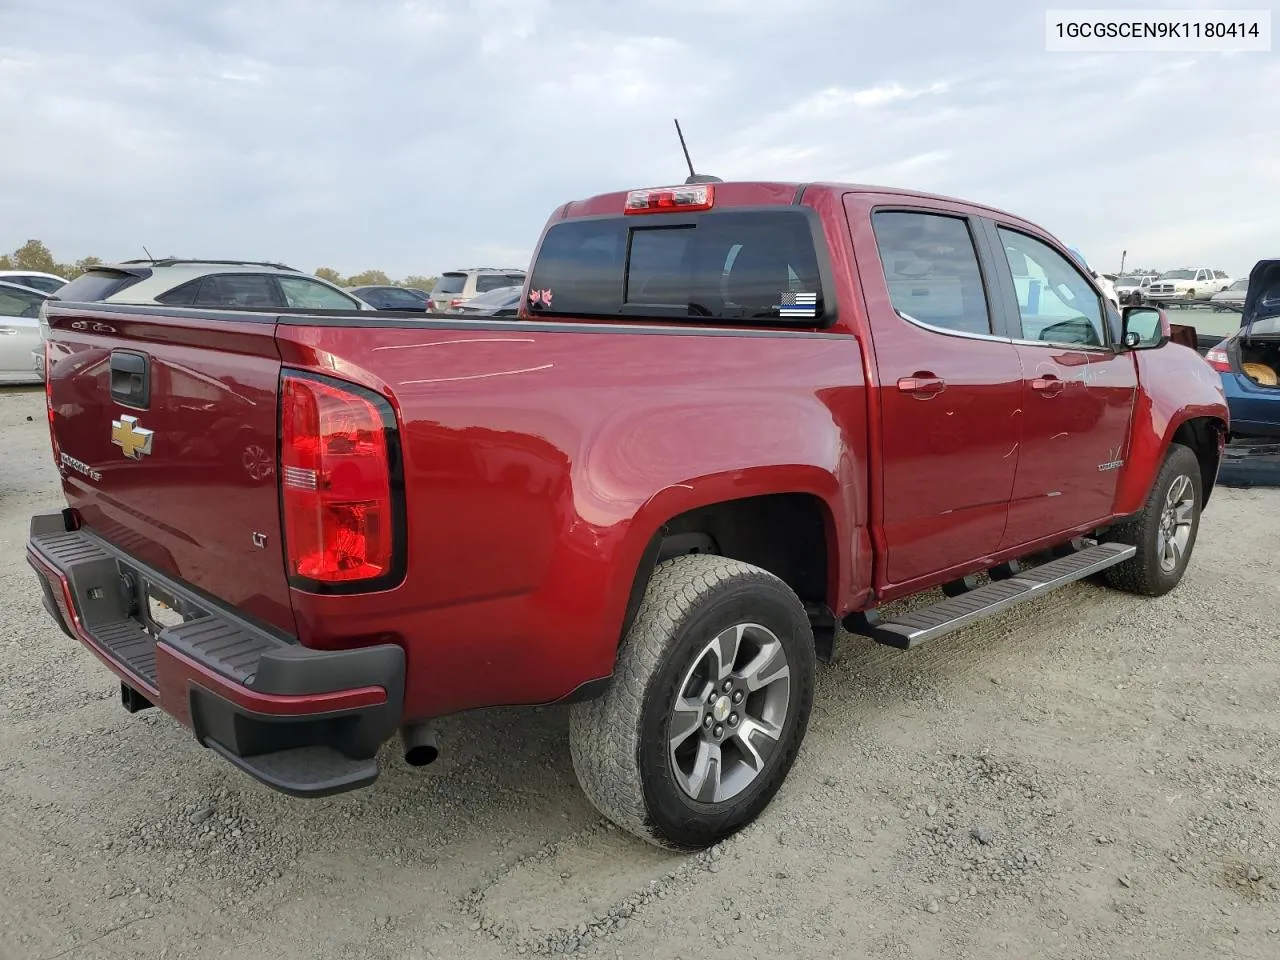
(419,135)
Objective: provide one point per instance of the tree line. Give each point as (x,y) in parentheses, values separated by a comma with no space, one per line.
(37,258)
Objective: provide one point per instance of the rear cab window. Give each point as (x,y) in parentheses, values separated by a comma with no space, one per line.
(97,284)
(738,265)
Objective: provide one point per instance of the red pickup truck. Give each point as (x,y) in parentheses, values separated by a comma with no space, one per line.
(729,418)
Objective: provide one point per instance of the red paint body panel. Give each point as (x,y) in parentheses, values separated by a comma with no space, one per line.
(1176,386)
(947,460)
(1071,440)
(540,464)
(541,459)
(190,507)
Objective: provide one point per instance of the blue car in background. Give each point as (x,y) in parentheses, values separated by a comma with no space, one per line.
(1249,360)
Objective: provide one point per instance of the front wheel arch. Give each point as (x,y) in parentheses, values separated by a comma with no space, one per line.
(1202,435)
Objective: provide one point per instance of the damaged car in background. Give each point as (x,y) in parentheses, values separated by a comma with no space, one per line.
(1249,359)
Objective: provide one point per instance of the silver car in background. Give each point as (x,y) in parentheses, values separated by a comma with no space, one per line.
(44,282)
(1233,296)
(21,342)
(233,284)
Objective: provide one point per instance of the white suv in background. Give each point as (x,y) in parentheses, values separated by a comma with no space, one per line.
(232,284)
(1187,284)
(456,287)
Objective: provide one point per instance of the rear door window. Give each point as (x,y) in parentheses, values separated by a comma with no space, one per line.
(756,265)
(932,272)
(245,290)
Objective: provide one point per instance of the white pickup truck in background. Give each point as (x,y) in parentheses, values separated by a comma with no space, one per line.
(1187,284)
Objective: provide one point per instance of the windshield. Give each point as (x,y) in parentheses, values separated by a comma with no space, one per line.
(1129,282)
(1178,275)
(1240,285)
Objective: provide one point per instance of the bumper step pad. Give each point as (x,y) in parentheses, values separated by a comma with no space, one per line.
(307,722)
(304,771)
(947,616)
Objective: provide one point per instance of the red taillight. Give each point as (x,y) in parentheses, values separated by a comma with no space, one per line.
(339,512)
(457,302)
(670,199)
(48,401)
(1218,359)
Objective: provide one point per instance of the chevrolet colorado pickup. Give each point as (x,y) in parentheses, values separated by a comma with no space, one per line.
(728,418)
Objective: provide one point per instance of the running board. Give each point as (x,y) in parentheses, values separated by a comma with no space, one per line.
(955,613)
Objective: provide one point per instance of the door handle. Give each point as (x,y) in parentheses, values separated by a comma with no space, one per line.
(922,385)
(1049,386)
(8,331)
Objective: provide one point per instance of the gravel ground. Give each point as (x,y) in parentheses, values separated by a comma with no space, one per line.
(1092,776)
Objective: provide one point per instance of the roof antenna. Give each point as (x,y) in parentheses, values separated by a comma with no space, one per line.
(148,253)
(693,177)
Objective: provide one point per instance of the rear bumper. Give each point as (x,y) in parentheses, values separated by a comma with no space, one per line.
(306,722)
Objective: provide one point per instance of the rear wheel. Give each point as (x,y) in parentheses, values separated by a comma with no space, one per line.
(708,705)
(1165,531)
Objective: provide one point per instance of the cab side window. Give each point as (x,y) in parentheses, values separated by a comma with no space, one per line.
(1055,301)
(931,268)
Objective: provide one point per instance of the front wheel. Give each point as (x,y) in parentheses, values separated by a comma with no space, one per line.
(1165,531)
(709,702)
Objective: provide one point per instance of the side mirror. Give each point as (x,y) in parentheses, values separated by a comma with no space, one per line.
(1145,328)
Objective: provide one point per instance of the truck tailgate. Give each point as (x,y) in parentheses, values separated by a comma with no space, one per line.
(165,431)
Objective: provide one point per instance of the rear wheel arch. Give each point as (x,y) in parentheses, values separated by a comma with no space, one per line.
(791,535)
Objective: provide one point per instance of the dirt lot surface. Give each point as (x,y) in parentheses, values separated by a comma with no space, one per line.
(1092,776)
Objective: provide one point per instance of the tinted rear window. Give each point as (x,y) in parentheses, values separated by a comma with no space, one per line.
(391,297)
(96,285)
(450,284)
(46,284)
(237,290)
(732,265)
(496,281)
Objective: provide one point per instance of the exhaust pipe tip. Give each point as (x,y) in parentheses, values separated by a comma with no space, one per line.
(420,746)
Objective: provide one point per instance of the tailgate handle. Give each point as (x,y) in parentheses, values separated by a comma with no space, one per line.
(130,378)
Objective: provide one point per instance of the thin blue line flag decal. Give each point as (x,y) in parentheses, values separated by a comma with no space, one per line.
(798,304)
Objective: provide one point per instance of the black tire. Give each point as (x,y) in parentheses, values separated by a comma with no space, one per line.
(620,742)
(1145,573)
